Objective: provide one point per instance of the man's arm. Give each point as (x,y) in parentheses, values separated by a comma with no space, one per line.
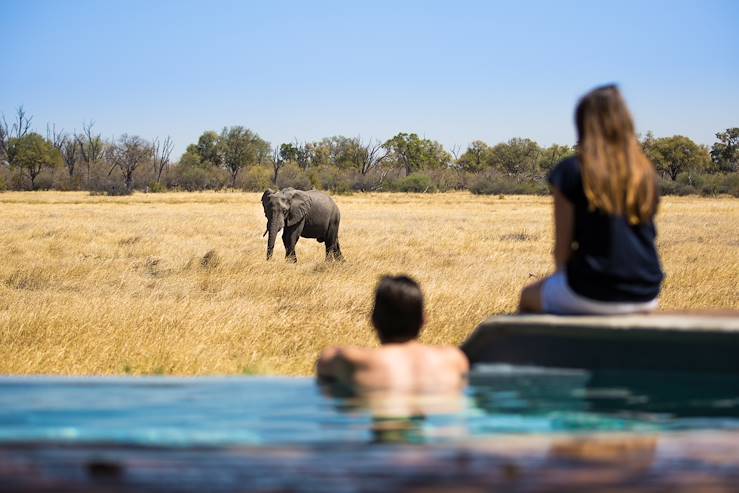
(336,364)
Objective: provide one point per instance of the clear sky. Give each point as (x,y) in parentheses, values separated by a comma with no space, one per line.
(453,71)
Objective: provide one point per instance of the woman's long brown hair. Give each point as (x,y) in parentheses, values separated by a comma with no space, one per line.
(617,177)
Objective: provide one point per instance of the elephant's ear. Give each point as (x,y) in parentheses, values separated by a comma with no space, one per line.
(299,207)
(265,200)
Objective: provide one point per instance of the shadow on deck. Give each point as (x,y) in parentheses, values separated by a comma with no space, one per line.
(672,462)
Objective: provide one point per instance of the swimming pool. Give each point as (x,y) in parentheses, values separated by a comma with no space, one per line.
(256,411)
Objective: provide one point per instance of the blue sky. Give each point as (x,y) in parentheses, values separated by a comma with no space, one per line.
(451,71)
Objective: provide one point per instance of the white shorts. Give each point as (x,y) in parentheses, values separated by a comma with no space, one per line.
(558,298)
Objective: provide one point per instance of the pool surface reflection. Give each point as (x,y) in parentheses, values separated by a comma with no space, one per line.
(500,400)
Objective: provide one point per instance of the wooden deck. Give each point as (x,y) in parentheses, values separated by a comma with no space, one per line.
(661,342)
(668,462)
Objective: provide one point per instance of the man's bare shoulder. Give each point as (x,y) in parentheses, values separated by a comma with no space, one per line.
(451,355)
(445,354)
(351,354)
(457,357)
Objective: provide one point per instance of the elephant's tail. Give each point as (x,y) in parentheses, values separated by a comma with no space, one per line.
(332,235)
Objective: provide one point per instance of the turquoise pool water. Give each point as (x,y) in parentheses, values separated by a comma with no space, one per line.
(264,411)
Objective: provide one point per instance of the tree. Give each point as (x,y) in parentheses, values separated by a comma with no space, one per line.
(677,154)
(209,148)
(725,152)
(552,155)
(279,160)
(371,155)
(128,153)
(516,157)
(4,142)
(475,158)
(91,146)
(310,154)
(161,151)
(412,153)
(240,147)
(66,145)
(16,129)
(54,137)
(32,153)
(70,154)
(289,152)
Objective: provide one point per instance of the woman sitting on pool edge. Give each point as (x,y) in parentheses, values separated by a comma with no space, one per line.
(401,363)
(605,200)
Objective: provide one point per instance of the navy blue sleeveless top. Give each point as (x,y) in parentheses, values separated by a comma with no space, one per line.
(611,260)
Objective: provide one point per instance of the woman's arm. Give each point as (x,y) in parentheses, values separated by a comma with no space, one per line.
(564,225)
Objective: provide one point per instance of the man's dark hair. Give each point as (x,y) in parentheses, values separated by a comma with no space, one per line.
(398,312)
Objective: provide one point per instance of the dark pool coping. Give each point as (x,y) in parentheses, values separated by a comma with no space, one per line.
(697,343)
(679,461)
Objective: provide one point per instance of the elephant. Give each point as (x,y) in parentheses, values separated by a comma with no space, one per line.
(310,214)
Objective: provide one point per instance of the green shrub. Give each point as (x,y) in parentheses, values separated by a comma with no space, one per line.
(3,183)
(492,184)
(701,184)
(718,184)
(675,187)
(194,177)
(415,182)
(331,178)
(370,182)
(447,179)
(256,179)
(44,181)
(730,184)
(156,187)
(293,176)
(112,189)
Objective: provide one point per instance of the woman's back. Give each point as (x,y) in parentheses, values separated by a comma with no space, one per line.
(605,200)
(611,259)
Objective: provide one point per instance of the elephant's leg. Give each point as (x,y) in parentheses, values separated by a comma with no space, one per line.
(337,252)
(290,237)
(333,252)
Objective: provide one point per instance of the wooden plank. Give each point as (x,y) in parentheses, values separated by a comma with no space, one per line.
(669,462)
(673,342)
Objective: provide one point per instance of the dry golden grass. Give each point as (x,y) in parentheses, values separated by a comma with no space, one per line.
(97,285)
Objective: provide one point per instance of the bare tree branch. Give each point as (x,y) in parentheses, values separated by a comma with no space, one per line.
(18,128)
(70,154)
(91,146)
(277,163)
(22,123)
(455,151)
(4,140)
(373,155)
(161,150)
(57,139)
(127,153)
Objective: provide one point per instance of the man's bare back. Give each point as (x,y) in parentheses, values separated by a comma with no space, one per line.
(408,366)
(401,363)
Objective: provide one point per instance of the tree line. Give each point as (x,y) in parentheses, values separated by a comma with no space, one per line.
(238,158)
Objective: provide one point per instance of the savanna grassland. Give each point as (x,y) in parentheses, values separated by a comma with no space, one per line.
(178,283)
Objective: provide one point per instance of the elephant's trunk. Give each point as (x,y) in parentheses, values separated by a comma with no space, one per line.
(274,227)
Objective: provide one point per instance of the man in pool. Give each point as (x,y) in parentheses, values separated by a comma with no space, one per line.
(401,362)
